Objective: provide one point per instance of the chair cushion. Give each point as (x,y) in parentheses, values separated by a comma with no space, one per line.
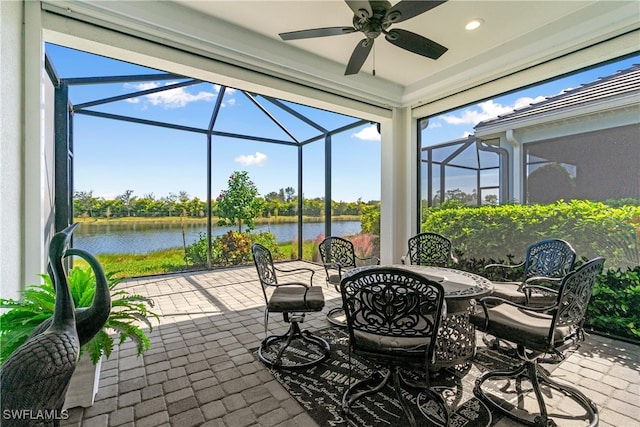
(291,299)
(334,279)
(390,345)
(527,328)
(508,291)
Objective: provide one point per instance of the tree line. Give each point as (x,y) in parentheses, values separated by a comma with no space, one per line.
(277,203)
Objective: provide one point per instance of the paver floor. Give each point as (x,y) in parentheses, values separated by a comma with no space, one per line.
(200,370)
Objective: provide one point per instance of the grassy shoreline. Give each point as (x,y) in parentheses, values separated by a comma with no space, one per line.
(128,265)
(191,220)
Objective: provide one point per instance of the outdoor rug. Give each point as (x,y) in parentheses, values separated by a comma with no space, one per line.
(319,390)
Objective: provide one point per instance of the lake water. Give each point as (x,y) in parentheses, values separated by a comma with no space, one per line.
(144,238)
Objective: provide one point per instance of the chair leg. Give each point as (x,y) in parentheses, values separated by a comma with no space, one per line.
(377,382)
(292,334)
(332,317)
(537,375)
(572,392)
(399,381)
(398,390)
(498,345)
(350,396)
(266,325)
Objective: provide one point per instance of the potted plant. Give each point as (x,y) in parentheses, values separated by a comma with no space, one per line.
(126,316)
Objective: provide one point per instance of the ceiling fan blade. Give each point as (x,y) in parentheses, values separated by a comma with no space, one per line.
(407,9)
(415,43)
(361,8)
(359,55)
(317,32)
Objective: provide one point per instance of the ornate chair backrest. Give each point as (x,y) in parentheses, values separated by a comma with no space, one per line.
(337,251)
(392,302)
(264,265)
(430,249)
(575,292)
(549,258)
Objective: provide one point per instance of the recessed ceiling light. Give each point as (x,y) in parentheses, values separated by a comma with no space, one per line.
(473,24)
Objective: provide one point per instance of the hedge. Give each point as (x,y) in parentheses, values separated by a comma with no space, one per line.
(489,234)
(592,228)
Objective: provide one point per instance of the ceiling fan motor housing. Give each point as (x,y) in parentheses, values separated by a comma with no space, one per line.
(375,25)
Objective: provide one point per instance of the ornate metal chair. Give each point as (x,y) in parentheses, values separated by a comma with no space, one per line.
(338,255)
(393,317)
(430,249)
(545,264)
(538,332)
(293,300)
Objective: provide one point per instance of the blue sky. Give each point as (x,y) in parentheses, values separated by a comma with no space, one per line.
(459,123)
(112,156)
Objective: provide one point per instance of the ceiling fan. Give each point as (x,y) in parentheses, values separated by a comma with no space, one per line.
(373,18)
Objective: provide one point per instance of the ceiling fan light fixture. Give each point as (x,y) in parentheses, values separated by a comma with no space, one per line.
(474,24)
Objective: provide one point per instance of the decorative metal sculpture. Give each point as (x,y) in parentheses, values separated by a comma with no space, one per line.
(35,378)
(89,320)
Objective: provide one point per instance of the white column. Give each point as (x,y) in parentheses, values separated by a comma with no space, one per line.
(516,177)
(35,214)
(398,211)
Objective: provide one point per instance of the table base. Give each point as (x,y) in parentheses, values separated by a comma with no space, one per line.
(456,341)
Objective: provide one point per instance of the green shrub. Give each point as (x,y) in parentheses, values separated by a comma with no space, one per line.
(500,234)
(615,304)
(196,253)
(614,307)
(268,240)
(496,274)
(592,228)
(232,248)
(370,219)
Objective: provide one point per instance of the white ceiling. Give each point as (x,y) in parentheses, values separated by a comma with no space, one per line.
(516,36)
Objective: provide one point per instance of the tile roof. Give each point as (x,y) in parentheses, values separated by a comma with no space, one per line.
(623,82)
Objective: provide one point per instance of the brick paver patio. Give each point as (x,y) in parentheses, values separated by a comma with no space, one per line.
(200,369)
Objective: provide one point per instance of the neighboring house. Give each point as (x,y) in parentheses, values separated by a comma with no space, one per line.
(583,143)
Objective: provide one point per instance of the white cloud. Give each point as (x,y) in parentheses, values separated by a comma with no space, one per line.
(173,98)
(257,159)
(526,101)
(488,110)
(370,133)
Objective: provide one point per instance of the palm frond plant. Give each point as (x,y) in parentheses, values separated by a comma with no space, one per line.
(128,313)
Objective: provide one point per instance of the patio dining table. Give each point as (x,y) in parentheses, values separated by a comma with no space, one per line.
(456,341)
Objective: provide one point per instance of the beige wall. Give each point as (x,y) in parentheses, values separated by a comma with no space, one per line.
(11,110)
